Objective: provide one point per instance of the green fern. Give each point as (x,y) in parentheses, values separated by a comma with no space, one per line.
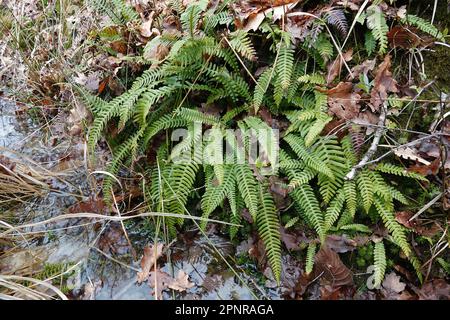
(376,22)
(242,45)
(379,257)
(311,252)
(269,230)
(248,187)
(305,199)
(423,25)
(397,230)
(364,181)
(398,171)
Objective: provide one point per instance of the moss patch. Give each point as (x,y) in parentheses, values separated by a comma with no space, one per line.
(437,66)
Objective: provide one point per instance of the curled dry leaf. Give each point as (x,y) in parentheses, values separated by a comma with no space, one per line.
(94,205)
(427,170)
(383,84)
(402,37)
(251,13)
(362,68)
(437,289)
(77,115)
(161,281)
(151,255)
(410,154)
(292,240)
(335,67)
(417,225)
(146,28)
(351,4)
(392,283)
(330,266)
(343,102)
(181,282)
(341,244)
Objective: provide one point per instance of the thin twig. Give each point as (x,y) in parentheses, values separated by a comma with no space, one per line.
(426,207)
(373,147)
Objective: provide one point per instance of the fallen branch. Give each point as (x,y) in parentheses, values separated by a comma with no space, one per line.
(373,147)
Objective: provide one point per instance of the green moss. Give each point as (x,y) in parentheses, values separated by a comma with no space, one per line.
(437,64)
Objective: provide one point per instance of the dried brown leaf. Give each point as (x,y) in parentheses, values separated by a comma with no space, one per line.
(341,244)
(150,257)
(436,289)
(343,102)
(330,266)
(160,281)
(335,67)
(392,283)
(383,84)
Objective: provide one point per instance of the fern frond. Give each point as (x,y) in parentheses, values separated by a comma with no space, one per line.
(291,222)
(397,231)
(165,122)
(365,188)
(316,129)
(417,265)
(192,115)
(107,113)
(285,66)
(370,43)
(310,158)
(334,210)
(312,78)
(356,227)
(376,21)
(261,88)
(398,171)
(379,257)
(216,192)
(310,253)
(298,177)
(149,98)
(126,149)
(269,230)
(248,187)
(191,17)
(242,44)
(180,182)
(304,197)
(423,25)
(336,17)
(350,196)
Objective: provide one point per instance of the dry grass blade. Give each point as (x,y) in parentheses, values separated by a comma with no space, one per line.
(20,291)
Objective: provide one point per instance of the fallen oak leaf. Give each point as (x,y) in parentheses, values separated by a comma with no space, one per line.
(291,240)
(383,84)
(436,289)
(151,255)
(406,38)
(256,11)
(340,244)
(392,283)
(403,217)
(342,101)
(156,281)
(431,169)
(362,68)
(335,67)
(181,282)
(410,154)
(329,264)
(160,281)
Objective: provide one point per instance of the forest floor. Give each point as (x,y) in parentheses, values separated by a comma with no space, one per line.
(59,238)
